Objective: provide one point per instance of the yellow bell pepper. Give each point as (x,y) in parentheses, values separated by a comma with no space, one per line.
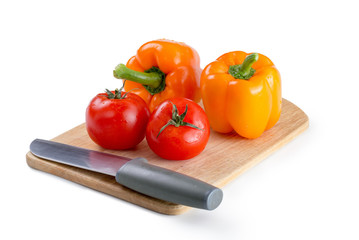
(242,92)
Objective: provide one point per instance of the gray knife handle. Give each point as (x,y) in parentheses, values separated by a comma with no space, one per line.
(168,185)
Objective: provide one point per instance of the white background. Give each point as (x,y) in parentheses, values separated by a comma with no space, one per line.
(56,55)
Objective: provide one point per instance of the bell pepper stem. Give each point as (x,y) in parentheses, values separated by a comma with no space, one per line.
(244,70)
(151,79)
(246,66)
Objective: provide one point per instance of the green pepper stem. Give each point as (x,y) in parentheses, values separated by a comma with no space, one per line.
(246,66)
(244,70)
(151,79)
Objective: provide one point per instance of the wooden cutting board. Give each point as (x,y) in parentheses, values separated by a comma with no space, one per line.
(225,157)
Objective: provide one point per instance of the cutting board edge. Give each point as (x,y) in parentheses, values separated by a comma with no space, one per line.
(88,179)
(259,158)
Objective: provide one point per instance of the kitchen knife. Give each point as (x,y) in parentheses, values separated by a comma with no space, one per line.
(136,174)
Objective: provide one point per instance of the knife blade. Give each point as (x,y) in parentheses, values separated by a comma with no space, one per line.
(136,174)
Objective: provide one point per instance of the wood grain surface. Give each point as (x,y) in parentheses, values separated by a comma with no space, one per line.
(225,157)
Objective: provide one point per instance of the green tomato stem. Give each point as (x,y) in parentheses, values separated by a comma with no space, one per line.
(178,120)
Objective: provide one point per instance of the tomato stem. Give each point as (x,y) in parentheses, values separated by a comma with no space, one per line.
(116,95)
(178,120)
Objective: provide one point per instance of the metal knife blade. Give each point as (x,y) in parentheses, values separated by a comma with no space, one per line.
(78,157)
(136,174)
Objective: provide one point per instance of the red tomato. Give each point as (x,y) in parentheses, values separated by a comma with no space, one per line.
(116,120)
(174,134)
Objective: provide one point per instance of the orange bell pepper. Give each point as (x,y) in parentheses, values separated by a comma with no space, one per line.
(160,70)
(242,92)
